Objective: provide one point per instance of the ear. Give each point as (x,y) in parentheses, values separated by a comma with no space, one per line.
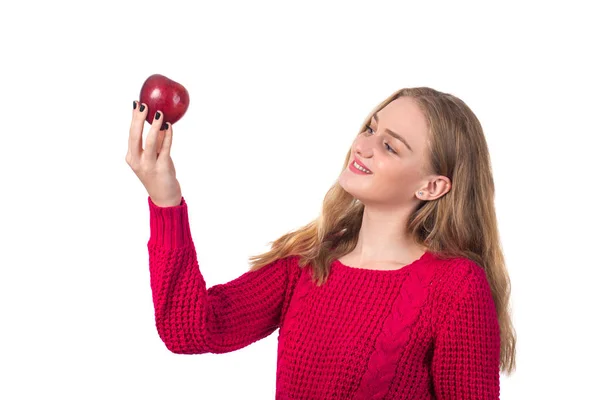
(435,188)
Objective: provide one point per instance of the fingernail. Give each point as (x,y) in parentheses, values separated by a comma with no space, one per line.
(142,108)
(157,115)
(164,126)
(134,104)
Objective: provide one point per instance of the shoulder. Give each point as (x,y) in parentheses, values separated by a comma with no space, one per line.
(457,273)
(285,265)
(292,265)
(459,282)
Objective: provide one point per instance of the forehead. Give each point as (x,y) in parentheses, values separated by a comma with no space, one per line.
(404,116)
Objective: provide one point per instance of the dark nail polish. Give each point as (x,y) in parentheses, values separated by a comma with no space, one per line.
(134,104)
(164,126)
(157,115)
(142,108)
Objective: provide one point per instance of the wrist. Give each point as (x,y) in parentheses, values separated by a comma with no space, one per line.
(174,202)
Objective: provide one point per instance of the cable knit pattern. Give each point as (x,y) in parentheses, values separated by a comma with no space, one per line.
(426,331)
(395,333)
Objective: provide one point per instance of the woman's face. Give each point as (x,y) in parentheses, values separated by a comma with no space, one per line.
(396,167)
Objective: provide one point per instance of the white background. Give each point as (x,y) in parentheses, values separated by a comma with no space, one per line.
(278,90)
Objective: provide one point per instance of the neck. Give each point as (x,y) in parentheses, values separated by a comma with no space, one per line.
(383,237)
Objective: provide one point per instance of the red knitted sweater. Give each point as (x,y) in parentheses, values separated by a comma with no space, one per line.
(428,330)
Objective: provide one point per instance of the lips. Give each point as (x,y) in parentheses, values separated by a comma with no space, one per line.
(362,165)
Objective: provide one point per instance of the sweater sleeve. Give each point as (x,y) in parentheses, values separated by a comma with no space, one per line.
(191,319)
(466,356)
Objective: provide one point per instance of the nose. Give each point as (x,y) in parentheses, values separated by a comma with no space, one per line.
(364,147)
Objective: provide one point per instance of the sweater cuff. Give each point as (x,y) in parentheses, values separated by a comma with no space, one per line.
(169,226)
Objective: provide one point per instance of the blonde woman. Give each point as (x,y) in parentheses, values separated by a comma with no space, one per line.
(397,290)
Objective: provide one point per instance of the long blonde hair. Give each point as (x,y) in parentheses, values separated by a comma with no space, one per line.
(462,223)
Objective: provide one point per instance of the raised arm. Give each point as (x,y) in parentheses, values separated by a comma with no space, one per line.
(193,320)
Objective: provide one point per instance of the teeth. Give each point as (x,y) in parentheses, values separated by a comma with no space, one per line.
(361,168)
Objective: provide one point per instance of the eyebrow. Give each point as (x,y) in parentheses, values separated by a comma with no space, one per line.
(394,134)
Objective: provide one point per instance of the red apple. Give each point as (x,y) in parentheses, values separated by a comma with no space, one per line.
(160,93)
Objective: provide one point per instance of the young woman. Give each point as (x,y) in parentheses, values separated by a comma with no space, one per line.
(398,290)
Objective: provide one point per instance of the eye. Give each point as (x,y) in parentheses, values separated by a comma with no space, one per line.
(370,130)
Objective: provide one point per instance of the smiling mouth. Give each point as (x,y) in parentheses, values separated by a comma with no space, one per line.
(358,168)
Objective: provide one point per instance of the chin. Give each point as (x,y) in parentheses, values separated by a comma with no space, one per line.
(353,184)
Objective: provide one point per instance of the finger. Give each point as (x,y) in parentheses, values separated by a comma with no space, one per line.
(153,134)
(159,139)
(136,129)
(161,136)
(165,151)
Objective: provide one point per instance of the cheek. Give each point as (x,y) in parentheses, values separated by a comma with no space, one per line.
(404,174)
